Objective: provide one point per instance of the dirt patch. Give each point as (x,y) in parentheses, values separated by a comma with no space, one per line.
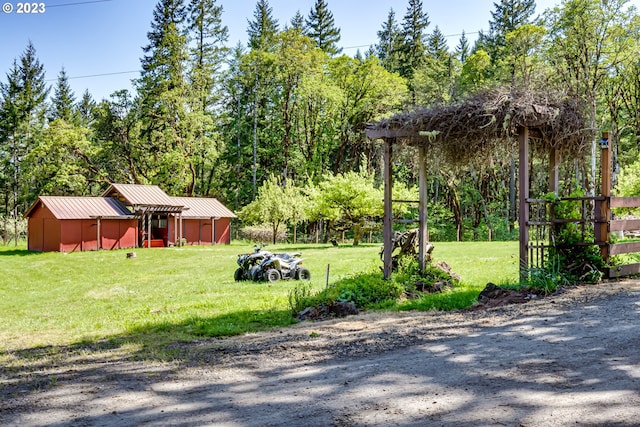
(567,359)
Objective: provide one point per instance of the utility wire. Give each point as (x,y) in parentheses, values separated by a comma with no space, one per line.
(77,3)
(96,75)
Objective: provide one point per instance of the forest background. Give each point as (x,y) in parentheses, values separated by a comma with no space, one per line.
(274,128)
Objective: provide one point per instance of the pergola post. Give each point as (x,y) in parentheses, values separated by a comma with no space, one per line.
(149,221)
(387,232)
(554,170)
(523,221)
(423,236)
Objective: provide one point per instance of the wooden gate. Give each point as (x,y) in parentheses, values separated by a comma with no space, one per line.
(596,225)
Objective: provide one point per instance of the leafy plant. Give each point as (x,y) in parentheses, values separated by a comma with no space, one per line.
(573,258)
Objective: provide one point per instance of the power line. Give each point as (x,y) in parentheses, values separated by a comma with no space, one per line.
(96,75)
(448,35)
(77,3)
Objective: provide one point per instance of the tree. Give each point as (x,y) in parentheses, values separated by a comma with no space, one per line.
(433,81)
(296,56)
(389,44)
(117,130)
(463,50)
(207,59)
(587,40)
(524,61)
(272,206)
(437,46)
(507,16)
(320,27)
(25,103)
(62,164)
(22,120)
(169,144)
(63,100)
(86,109)
(413,33)
(368,93)
(348,198)
(297,22)
(263,29)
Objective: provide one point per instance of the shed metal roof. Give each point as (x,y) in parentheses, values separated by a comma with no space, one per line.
(201,207)
(142,195)
(68,207)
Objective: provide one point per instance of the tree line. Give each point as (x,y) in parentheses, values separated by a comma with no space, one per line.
(288,109)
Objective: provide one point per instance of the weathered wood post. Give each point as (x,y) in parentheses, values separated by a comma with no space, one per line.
(423,237)
(387,232)
(523,220)
(602,207)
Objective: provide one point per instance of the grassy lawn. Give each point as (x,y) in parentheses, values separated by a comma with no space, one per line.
(173,294)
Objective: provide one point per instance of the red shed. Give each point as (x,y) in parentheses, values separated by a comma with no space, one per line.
(166,220)
(67,224)
(205,221)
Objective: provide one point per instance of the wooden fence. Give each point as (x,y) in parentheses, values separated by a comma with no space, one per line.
(595,225)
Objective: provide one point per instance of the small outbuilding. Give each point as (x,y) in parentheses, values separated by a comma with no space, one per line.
(126,216)
(67,224)
(205,221)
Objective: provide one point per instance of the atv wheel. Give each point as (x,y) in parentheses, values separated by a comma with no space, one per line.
(273,275)
(238,275)
(304,274)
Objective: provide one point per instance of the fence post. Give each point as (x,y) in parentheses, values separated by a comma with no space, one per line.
(603,212)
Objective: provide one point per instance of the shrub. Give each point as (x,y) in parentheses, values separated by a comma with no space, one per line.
(262,233)
(370,290)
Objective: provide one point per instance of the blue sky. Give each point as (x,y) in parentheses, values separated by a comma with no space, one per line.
(104,38)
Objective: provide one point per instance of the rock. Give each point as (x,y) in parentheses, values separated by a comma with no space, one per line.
(342,309)
(491,291)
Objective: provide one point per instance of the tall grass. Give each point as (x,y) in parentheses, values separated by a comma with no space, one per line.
(173,294)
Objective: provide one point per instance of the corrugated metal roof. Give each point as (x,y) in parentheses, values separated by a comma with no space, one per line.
(200,207)
(65,207)
(141,195)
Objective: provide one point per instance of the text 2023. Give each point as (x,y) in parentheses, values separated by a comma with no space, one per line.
(31,8)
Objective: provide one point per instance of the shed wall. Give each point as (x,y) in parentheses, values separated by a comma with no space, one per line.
(198,231)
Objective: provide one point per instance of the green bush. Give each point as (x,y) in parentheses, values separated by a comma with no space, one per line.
(370,290)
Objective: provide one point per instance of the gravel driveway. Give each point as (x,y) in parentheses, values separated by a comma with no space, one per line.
(570,359)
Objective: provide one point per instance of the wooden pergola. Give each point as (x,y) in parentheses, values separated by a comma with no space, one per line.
(471,130)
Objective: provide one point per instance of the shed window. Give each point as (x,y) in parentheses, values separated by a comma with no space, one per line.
(159,223)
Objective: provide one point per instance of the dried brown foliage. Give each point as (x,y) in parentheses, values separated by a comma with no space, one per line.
(491,120)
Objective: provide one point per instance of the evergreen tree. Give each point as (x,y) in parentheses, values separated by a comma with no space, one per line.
(462,50)
(389,43)
(507,16)
(63,100)
(22,120)
(413,48)
(162,87)
(433,81)
(437,45)
(208,36)
(263,29)
(320,26)
(207,58)
(297,22)
(86,108)
(9,127)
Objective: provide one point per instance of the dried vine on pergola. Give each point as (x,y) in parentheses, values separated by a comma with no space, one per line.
(489,120)
(474,130)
